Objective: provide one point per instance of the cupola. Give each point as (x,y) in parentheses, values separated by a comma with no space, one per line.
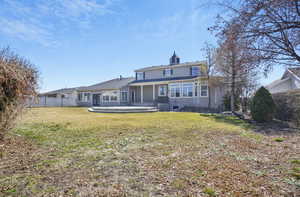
(174,59)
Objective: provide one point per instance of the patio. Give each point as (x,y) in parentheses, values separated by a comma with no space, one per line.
(123,109)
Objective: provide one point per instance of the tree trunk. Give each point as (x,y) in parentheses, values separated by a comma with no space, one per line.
(232,98)
(209,97)
(232,101)
(209,100)
(246,104)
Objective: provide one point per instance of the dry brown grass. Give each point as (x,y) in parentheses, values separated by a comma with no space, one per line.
(71,152)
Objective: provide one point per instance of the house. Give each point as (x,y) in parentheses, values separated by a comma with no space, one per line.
(175,85)
(290,80)
(108,93)
(179,84)
(59,98)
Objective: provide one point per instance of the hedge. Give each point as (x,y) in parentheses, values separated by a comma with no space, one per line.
(288,106)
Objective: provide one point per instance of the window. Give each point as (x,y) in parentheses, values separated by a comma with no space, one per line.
(187,90)
(162,90)
(195,71)
(124,96)
(52,95)
(139,75)
(79,96)
(196,89)
(168,72)
(105,98)
(175,90)
(204,89)
(113,98)
(86,97)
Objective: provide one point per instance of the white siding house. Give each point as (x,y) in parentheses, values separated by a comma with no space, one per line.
(175,85)
(58,98)
(290,80)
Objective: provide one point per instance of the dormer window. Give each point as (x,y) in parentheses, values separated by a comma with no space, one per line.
(167,72)
(195,70)
(140,76)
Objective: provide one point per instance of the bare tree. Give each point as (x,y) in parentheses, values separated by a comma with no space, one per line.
(248,87)
(234,59)
(18,81)
(271,26)
(210,56)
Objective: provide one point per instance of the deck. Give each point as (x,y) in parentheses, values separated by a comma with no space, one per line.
(123,109)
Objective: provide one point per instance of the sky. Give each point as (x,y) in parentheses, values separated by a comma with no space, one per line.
(81,42)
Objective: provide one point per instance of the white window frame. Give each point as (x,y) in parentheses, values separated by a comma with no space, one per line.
(80,98)
(140,76)
(122,96)
(196,74)
(175,85)
(183,90)
(165,90)
(86,97)
(196,89)
(168,72)
(203,83)
(104,100)
(113,100)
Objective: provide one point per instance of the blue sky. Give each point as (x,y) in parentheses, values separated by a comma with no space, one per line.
(81,42)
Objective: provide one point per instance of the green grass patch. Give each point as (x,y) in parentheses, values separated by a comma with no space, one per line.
(279,139)
(128,152)
(295,161)
(209,191)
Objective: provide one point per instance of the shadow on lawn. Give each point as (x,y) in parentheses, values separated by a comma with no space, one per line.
(230,120)
(270,128)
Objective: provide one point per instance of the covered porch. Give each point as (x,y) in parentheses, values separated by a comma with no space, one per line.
(147,94)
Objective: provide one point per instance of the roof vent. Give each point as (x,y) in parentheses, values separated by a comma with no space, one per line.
(121,77)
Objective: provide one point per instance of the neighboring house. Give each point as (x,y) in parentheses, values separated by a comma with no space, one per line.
(176,85)
(59,98)
(290,80)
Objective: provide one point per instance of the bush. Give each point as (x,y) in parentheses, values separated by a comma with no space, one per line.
(18,82)
(288,106)
(262,106)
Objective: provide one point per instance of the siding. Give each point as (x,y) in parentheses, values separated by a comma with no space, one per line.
(59,101)
(177,72)
(295,83)
(181,71)
(217,94)
(281,87)
(148,94)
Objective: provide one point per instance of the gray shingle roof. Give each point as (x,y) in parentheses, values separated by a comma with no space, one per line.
(296,71)
(170,66)
(276,82)
(107,85)
(60,91)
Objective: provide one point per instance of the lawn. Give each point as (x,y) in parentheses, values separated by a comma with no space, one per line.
(72,152)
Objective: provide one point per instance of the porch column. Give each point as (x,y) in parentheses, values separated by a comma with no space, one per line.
(142,94)
(153,92)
